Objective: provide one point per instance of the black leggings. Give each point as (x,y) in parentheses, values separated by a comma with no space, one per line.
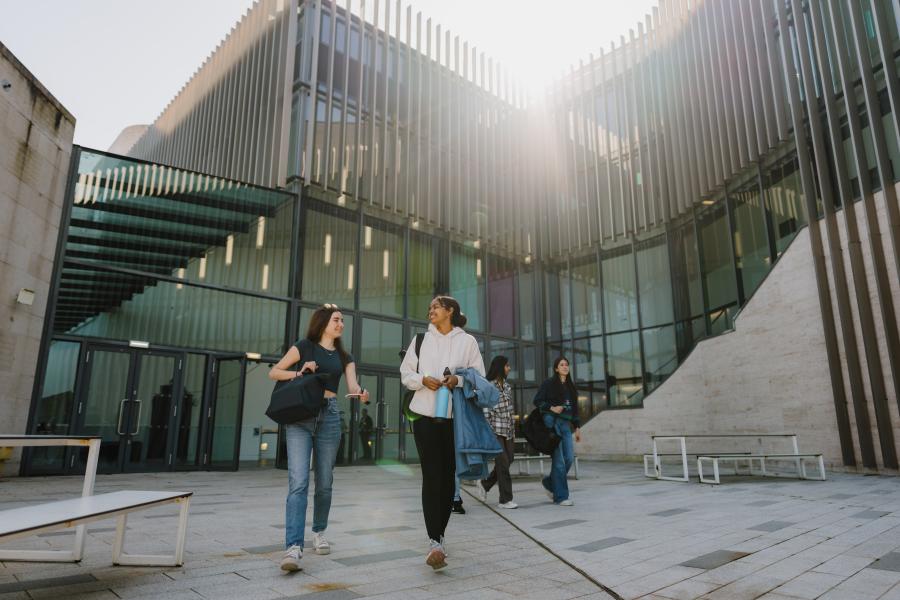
(437,455)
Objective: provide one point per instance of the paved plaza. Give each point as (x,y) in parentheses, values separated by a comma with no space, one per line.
(749,538)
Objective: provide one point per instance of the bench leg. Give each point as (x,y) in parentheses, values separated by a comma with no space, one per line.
(73,555)
(153,560)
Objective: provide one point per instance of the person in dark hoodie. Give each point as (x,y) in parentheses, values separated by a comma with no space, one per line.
(558,400)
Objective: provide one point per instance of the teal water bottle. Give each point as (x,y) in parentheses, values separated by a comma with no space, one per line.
(442,402)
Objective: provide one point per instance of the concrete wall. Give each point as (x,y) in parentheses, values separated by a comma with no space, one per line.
(35,144)
(768,375)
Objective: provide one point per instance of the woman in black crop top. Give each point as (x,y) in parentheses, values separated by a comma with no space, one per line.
(324,354)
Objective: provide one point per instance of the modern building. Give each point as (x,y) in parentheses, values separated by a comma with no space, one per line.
(648,218)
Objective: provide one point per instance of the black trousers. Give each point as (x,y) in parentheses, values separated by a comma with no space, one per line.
(437,455)
(500,475)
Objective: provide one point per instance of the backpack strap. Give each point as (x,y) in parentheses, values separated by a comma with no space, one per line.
(420,337)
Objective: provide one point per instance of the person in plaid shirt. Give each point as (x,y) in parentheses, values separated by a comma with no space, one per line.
(501,419)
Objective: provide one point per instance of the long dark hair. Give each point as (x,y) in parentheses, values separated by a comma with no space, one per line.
(496,371)
(457,319)
(317,324)
(570,382)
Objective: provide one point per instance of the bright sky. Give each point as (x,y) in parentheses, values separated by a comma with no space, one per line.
(115,63)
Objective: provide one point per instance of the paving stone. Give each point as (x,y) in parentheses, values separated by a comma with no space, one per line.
(888,562)
(601,544)
(870,514)
(558,524)
(771,526)
(763,503)
(670,512)
(380,530)
(49,582)
(841,496)
(714,559)
(366,559)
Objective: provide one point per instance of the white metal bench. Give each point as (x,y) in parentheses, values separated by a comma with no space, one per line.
(522,457)
(22,522)
(733,457)
(17,523)
(798,459)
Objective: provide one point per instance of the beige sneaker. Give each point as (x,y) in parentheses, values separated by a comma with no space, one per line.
(436,558)
(321,544)
(291,559)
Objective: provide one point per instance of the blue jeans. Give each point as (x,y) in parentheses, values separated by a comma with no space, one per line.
(557,482)
(322,434)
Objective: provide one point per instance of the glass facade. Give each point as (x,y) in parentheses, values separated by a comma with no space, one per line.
(406,183)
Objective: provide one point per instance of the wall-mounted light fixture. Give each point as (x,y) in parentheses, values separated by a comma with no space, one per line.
(25,297)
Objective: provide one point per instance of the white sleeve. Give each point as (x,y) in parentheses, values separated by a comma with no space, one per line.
(408,374)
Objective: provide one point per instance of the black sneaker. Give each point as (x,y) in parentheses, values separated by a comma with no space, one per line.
(457,507)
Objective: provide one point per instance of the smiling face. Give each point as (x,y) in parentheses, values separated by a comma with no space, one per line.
(335,325)
(437,314)
(506,370)
(562,367)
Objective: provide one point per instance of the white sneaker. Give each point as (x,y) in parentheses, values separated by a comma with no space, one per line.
(566,502)
(549,493)
(509,504)
(321,544)
(291,559)
(480,492)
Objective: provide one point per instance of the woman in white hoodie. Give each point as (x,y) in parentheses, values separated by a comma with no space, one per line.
(444,346)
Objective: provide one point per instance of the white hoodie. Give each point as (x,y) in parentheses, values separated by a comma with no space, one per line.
(457,349)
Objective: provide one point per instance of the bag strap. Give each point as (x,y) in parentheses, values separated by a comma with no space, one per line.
(420,337)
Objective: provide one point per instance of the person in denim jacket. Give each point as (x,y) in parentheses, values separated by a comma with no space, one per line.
(558,400)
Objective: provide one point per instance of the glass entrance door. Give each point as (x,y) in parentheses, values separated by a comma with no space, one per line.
(224,406)
(128,399)
(379,426)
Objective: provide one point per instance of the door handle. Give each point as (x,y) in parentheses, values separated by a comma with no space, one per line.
(119,422)
(137,424)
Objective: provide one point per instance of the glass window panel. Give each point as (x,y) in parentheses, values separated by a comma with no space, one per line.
(329,257)
(381,342)
(750,241)
(381,273)
(529,371)
(784,201)
(225,419)
(660,357)
(688,299)
(589,359)
(511,351)
(624,382)
(619,290)
(156,219)
(587,316)
(654,280)
(187,448)
(718,268)
(556,304)
(258,432)
(502,292)
(467,283)
(125,307)
(424,257)
(527,325)
(54,409)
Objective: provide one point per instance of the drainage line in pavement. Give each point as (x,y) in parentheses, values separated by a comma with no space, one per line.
(575,568)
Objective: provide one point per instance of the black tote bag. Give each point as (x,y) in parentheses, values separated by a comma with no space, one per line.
(541,437)
(297,399)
